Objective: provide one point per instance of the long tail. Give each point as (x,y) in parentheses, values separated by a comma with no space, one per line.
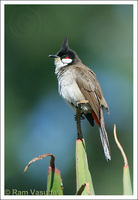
(104,137)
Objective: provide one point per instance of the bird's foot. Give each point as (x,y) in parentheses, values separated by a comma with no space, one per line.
(81,102)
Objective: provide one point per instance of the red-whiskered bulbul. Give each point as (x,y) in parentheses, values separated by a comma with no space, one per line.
(77,82)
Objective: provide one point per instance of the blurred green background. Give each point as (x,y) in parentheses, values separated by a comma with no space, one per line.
(37,120)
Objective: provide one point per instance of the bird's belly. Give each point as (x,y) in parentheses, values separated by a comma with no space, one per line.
(72,95)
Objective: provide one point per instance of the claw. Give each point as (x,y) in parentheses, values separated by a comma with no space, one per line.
(75,117)
(81,118)
(78,106)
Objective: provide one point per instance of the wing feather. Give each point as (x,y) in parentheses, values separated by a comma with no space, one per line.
(90,88)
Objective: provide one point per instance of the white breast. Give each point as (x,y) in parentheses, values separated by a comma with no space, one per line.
(70,91)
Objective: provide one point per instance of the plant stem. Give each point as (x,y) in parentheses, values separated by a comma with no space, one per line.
(78,122)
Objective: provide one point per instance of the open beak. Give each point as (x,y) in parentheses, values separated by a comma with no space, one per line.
(53,56)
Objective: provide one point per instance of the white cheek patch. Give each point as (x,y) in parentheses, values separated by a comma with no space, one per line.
(59,64)
(66,60)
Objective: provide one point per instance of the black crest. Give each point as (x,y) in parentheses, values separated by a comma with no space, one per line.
(66,51)
(64,48)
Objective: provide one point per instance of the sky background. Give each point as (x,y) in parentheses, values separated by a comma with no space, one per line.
(37,120)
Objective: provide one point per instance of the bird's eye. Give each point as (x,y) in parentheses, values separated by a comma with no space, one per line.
(65,57)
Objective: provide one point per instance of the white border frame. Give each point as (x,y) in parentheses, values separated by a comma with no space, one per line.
(134,3)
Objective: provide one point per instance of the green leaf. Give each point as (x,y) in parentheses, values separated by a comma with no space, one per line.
(82,170)
(127,189)
(54,182)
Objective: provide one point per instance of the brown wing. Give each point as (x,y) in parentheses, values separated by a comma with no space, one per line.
(90,88)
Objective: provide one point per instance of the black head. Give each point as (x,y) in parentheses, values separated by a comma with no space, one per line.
(66,54)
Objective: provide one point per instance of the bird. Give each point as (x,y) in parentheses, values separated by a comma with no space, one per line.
(76,83)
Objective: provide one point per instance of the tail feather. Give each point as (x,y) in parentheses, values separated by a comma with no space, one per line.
(104,137)
(105,143)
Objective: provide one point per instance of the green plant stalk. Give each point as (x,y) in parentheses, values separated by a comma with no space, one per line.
(82,170)
(127,188)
